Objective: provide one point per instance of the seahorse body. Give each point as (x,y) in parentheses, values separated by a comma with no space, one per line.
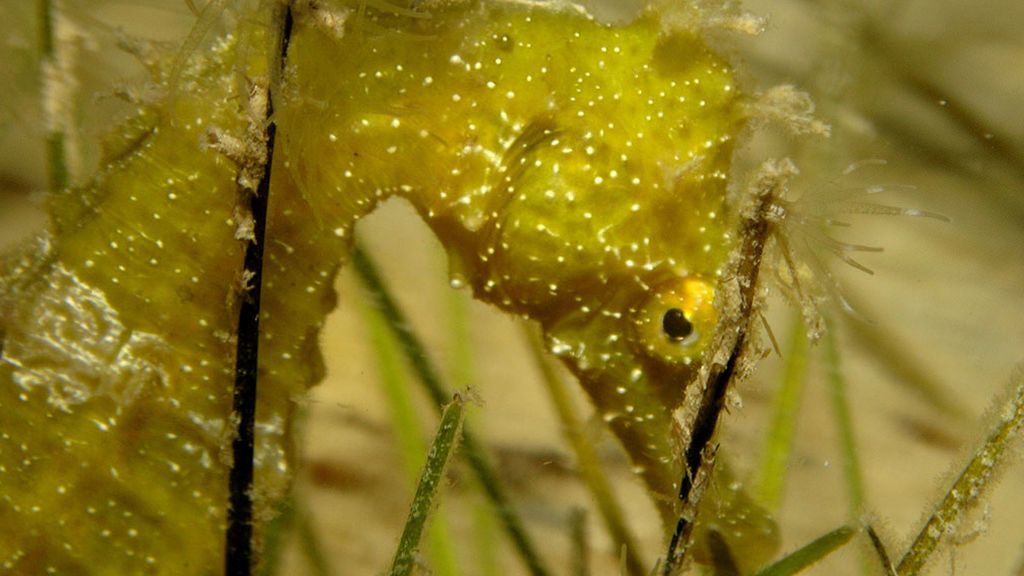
(574,171)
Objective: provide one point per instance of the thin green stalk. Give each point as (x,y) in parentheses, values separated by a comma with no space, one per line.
(495,493)
(415,354)
(969,485)
(56,155)
(56,150)
(462,371)
(407,430)
(809,554)
(275,538)
(844,422)
(46,41)
(442,546)
(852,473)
(786,409)
(293,517)
(485,539)
(580,547)
(586,457)
(312,550)
(406,425)
(463,375)
(461,340)
(422,504)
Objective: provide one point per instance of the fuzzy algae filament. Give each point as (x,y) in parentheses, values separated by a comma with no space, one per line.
(576,173)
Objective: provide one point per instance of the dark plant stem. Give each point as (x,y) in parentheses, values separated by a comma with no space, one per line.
(879,547)
(703,430)
(741,282)
(238,542)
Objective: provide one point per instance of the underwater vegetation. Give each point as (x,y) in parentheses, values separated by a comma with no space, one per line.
(601,180)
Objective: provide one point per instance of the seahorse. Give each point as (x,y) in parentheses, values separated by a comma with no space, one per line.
(576,173)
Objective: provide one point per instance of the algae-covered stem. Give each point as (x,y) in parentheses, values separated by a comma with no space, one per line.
(441,451)
(238,541)
(970,484)
(739,292)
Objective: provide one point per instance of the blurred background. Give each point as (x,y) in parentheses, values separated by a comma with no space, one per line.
(933,88)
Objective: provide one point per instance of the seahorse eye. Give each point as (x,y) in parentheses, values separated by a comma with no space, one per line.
(675,320)
(676,325)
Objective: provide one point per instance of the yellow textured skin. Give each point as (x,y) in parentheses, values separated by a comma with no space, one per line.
(115,380)
(575,172)
(572,176)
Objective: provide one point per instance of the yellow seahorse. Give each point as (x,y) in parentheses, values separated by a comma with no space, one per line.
(576,173)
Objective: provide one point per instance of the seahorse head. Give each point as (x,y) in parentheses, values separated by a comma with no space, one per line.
(610,226)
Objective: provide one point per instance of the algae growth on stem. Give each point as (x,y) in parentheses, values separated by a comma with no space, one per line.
(575,172)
